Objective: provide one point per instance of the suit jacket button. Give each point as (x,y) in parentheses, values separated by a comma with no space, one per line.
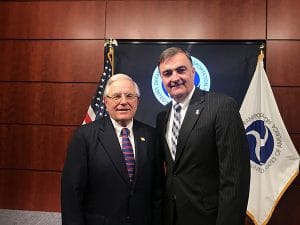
(128,219)
(174,174)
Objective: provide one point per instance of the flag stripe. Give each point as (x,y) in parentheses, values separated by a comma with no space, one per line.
(96,109)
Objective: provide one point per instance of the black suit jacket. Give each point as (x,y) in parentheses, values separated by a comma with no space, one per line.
(208,183)
(95,187)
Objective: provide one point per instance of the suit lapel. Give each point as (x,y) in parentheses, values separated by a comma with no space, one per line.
(107,137)
(140,138)
(191,117)
(166,117)
(164,129)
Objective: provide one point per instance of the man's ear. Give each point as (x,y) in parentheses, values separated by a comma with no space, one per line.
(138,100)
(104,100)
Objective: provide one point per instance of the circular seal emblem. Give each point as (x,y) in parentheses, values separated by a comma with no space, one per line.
(202,81)
(261,142)
(265,141)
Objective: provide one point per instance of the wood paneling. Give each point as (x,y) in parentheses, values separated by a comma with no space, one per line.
(52,19)
(51,60)
(288,103)
(44,103)
(283,19)
(296,140)
(288,208)
(31,190)
(34,147)
(283,66)
(296,182)
(284,210)
(206,19)
(248,221)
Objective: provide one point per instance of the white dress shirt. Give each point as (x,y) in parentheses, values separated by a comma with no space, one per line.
(118,129)
(184,106)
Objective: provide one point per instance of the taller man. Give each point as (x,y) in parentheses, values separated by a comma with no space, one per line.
(205,147)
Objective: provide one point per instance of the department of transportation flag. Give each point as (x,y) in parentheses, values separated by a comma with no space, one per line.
(273,157)
(96,109)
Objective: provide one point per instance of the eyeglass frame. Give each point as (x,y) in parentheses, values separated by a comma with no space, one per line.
(118,96)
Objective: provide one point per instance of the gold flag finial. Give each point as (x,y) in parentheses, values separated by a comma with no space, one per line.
(111,43)
(261,54)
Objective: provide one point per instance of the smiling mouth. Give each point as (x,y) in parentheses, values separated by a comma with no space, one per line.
(123,110)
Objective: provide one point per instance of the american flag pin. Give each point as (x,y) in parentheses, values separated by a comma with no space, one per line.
(197,112)
(142,139)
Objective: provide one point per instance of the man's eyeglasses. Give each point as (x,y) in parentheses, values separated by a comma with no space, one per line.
(117,97)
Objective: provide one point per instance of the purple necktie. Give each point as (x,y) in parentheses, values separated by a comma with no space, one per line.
(128,153)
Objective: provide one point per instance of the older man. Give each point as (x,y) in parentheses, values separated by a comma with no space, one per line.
(112,174)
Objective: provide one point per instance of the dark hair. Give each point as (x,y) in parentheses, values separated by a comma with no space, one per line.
(170,52)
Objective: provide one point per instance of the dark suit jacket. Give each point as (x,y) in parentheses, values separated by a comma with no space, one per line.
(208,183)
(95,187)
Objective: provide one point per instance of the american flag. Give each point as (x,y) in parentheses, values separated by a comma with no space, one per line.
(96,109)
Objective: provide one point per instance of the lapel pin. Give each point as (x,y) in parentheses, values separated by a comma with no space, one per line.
(142,139)
(197,112)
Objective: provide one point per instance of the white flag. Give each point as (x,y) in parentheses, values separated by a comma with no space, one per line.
(273,157)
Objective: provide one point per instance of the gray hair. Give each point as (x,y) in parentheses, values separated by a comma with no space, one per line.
(120,76)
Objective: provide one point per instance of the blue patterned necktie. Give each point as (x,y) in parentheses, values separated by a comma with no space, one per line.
(128,153)
(175,128)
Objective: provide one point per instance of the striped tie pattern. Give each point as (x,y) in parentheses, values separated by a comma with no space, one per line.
(175,129)
(128,153)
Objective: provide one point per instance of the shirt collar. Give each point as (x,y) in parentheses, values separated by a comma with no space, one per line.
(184,104)
(118,127)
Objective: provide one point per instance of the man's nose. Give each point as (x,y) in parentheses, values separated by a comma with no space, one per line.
(175,76)
(123,99)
